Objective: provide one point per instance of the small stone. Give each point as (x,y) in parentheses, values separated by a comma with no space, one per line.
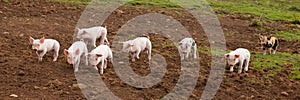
(14,95)
(243,96)
(79,85)
(21,73)
(6,33)
(44,88)
(120,11)
(284,93)
(56,82)
(21,35)
(71,8)
(36,87)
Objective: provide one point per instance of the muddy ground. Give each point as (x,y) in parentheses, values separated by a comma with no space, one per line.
(23,75)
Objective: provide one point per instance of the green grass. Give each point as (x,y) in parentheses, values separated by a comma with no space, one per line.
(270,9)
(207,50)
(6,1)
(289,35)
(273,64)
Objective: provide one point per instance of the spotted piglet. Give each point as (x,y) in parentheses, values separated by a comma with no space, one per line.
(187,46)
(42,46)
(136,46)
(75,51)
(100,54)
(241,56)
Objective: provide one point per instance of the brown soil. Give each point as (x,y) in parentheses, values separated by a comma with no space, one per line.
(24,76)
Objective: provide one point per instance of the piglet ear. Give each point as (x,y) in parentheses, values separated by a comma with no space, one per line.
(84,32)
(226,55)
(31,40)
(78,29)
(237,56)
(180,43)
(42,40)
(99,55)
(77,51)
(66,52)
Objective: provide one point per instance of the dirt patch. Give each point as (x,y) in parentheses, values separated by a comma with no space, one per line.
(23,75)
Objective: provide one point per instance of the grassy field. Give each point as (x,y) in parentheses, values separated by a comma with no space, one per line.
(271,10)
(289,35)
(273,64)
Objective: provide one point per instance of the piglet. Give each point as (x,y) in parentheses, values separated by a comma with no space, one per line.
(42,46)
(92,34)
(136,46)
(187,46)
(75,51)
(100,54)
(240,56)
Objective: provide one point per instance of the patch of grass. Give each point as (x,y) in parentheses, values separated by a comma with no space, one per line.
(207,50)
(256,23)
(270,9)
(6,1)
(289,35)
(295,8)
(272,64)
(168,45)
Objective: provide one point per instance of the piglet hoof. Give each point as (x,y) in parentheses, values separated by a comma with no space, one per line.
(239,72)
(54,60)
(132,59)
(40,59)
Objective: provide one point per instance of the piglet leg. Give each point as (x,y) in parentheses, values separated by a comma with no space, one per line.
(247,64)
(240,67)
(40,55)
